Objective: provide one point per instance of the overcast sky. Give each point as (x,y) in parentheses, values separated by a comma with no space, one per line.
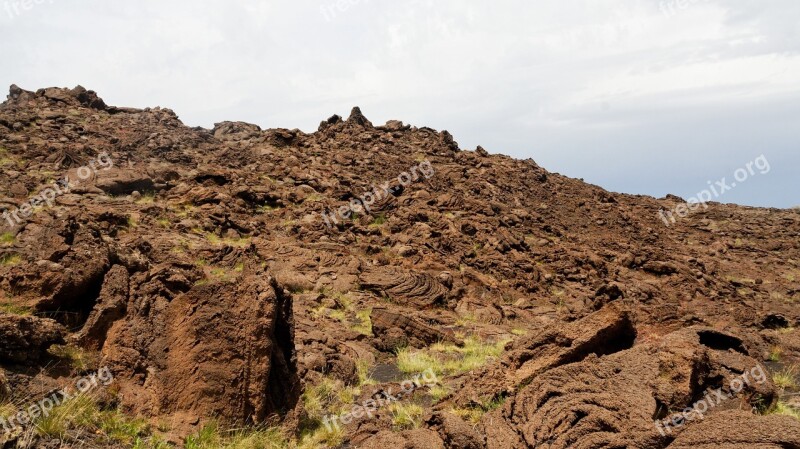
(637,96)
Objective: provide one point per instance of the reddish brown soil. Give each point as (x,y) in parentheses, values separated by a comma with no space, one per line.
(202,271)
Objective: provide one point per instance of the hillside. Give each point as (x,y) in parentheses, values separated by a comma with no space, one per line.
(292,283)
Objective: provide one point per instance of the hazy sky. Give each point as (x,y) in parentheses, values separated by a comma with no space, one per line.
(637,96)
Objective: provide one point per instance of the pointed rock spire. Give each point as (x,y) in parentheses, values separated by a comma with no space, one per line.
(356,117)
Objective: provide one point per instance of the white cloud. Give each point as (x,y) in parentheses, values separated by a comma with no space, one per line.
(600,90)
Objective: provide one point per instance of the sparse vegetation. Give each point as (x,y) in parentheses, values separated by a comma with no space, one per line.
(77,358)
(10,260)
(147,198)
(474,414)
(775,354)
(7,239)
(364,325)
(185,210)
(133,221)
(83,412)
(406,415)
(15,309)
(786,378)
(378,221)
(784,409)
(449,359)
(5,159)
(439,392)
(465,320)
(212,437)
(234,242)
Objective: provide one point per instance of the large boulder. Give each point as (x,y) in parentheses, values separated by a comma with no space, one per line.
(222,351)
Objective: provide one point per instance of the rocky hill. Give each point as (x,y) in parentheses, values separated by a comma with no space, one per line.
(370,286)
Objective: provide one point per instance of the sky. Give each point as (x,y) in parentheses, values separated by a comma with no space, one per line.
(637,96)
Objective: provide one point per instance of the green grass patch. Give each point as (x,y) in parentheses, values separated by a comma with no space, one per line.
(449,359)
(77,358)
(474,414)
(7,239)
(364,325)
(15,309)
(784,409)
(9,260)
(83,412)
(212,437)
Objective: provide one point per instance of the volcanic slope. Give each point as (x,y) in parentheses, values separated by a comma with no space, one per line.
(292,284)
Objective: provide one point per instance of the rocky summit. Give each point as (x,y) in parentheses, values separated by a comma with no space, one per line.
(370,286)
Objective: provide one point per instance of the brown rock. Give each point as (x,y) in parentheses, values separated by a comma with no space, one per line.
(218,351)
(25,339)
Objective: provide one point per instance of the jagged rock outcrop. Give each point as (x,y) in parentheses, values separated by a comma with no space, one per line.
(219,350)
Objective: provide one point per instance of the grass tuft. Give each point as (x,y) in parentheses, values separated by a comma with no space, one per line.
(7,239)
(786,378)
(10,260)
(406,415)
(775,354)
